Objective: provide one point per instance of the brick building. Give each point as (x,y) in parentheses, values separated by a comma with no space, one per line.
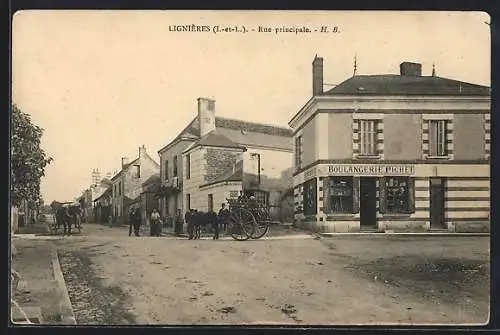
(401,152)
(127,183)
(213,158)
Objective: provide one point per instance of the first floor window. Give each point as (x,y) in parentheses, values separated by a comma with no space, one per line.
(397,194)
(188,202)
(299,152)
(338,193)
(188,166)
(437,138)
(368,137)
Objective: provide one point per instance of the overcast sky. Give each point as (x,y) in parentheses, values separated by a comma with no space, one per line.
(102,83)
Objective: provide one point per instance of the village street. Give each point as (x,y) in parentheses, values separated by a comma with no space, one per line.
(116,279)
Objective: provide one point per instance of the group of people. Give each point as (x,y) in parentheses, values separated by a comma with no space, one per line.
(193,218)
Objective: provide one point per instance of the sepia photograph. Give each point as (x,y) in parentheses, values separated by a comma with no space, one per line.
(255,168)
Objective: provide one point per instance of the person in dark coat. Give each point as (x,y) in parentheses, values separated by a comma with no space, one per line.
(137,221)
(223,217)
(131,220)
(190,217)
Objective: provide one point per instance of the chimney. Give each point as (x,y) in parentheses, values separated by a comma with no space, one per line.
(142,151)
(206,115)
(124,161)
(410,69)
(317,75)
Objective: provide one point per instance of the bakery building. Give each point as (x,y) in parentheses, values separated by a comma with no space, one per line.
(398,152)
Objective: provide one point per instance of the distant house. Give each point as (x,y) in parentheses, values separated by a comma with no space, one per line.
(103,205)
(215,158)
(127,183)
(149,199)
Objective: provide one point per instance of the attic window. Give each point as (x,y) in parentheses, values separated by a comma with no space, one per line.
(243,131)
(361,88)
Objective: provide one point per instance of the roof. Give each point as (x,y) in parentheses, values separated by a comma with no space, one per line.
(390,84)
(259,134)
(215,139)
(106,192)
(125,166)
(155,178)
(227,177)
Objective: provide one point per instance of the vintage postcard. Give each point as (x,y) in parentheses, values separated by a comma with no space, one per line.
(250,168)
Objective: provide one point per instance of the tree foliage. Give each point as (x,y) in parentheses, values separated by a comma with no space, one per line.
(28,160)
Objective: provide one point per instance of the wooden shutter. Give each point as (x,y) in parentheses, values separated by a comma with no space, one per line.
(355,195)
(382,195)
(411,195)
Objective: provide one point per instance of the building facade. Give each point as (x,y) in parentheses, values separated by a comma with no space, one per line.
(402,152)
(127,183)
(149,199)
(215,158)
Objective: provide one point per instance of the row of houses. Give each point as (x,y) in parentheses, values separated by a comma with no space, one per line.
(211,160)
(399,152)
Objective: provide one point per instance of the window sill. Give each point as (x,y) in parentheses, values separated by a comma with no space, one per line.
(438,157)
(360,156)
(396,215)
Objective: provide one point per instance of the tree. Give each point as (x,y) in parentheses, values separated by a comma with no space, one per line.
(28,160)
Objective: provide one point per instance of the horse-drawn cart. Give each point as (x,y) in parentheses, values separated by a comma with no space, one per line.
(248,219)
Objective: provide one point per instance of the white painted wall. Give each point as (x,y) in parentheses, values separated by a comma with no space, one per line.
(272,162)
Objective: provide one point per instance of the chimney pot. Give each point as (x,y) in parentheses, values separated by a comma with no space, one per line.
(124,161)
(206,115)
(410,69)
(142,150)
(317,75)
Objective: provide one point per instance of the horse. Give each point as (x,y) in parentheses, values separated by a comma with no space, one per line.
(66,215)
(197,220)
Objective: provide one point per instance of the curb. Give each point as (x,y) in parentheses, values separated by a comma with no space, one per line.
(67,314)
(405,234)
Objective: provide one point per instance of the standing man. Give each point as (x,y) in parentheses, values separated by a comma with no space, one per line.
(137,221)
(131,220)
(223,216)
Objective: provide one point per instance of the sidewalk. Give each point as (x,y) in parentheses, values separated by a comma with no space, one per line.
(37,286)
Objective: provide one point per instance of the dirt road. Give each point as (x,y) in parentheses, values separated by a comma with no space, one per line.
(116,279)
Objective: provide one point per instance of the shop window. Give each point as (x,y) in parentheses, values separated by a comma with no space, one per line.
(310,197)
(299,152)
(338,195)
(397,195)
(437,138)
(368,137)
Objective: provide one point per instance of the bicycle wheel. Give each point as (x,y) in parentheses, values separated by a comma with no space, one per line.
(260,231)
(242,224)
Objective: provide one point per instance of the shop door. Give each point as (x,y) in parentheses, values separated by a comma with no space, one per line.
(368,201)
(437,202)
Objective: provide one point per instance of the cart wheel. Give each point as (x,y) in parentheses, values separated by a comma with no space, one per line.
(243,225)
(260,231)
